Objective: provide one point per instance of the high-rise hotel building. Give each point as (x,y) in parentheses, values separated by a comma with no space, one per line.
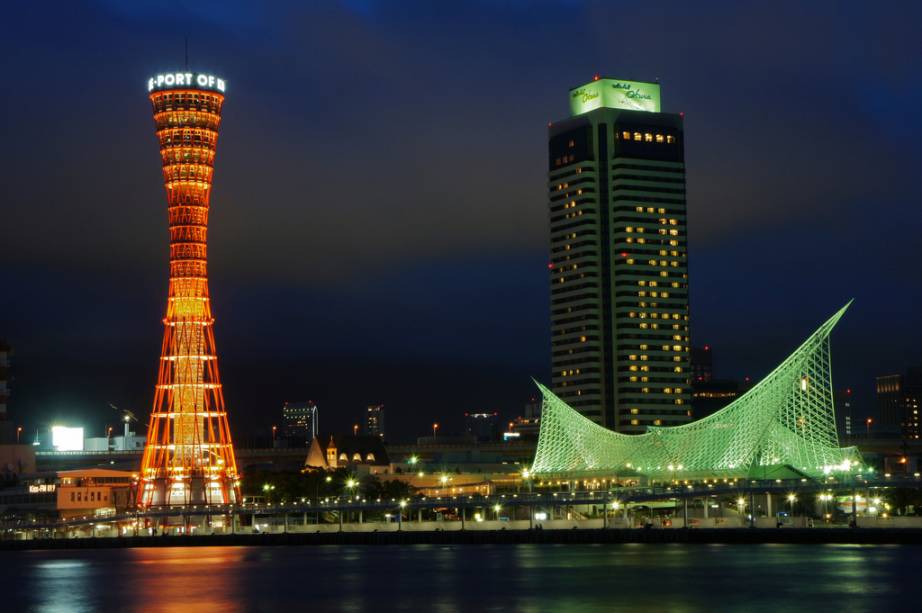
(618,262)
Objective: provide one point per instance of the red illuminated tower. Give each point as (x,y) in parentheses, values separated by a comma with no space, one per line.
(189,457)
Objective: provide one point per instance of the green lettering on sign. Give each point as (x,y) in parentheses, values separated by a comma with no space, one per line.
(615,94)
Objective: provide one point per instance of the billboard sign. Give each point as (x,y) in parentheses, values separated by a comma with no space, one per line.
(66,439)
(615,94)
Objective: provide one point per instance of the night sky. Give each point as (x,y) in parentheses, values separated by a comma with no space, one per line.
(379,216)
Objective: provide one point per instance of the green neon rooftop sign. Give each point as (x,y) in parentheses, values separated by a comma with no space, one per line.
(615,94)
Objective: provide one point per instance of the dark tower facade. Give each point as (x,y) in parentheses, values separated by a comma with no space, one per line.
(618,257)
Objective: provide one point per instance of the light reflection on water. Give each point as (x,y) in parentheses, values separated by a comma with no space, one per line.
(474,577)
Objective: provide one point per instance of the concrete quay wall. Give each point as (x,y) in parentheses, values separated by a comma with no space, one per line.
(906,536)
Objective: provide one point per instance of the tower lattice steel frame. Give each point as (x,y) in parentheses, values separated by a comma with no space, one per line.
(189,456)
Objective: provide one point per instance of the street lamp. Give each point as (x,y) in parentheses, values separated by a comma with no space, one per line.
(792,498)
(497,508)
(526,476)
(274,430)
(18,432)
(435,429)
(355,430)
(868,423)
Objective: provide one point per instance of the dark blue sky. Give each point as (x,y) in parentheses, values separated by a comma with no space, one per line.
(379,218)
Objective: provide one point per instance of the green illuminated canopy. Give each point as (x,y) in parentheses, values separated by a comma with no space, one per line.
(782,427)
(615,94)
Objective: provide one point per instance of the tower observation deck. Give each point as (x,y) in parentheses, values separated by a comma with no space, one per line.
(189,456)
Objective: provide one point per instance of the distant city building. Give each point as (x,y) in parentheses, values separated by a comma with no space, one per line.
(618,261)
(889,405)
(482,426)
(702,364)
(16,460)
(898,398)
(299,422)
(526,427)
(711,395)
(114,443)
(374,420)
(533,408)
(912,398)
(845,417)
(352,452)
